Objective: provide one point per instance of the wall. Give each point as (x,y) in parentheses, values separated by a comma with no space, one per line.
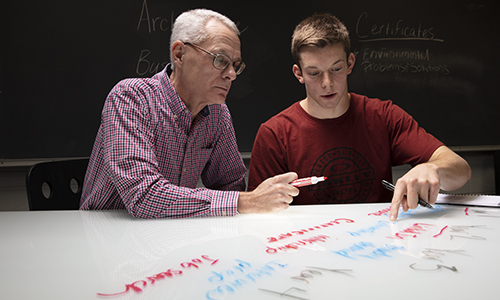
(12,188)
(13,195)
(62,60)
(48,41)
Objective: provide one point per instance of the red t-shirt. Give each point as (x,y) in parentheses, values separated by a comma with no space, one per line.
(355,151)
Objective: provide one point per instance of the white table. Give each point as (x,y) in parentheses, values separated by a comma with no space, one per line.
(301,253)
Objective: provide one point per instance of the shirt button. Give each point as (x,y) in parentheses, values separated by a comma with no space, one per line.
(224,213)
(175,116)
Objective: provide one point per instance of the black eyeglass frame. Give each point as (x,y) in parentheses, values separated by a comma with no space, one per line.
(237,68)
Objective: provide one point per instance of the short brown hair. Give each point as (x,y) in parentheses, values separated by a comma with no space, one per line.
(319,30)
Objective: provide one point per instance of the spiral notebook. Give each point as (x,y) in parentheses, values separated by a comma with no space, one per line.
(472,200)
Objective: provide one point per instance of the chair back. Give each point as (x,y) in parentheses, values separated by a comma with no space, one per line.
(56,185)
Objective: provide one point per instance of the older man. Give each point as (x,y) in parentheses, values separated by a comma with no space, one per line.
(159,135)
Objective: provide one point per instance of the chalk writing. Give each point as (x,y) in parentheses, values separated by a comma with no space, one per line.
(364,249)
(285,293)
(144,65)
(411,231)
(297,244)
(384,59)
(139,284)
(430,253)
(440,232)
(245,274)
(408,213)
(308,274)
(472,237)
(381,212)
(372,229)
(395,30)
(341,271)
(194,262)
(303,231)
(438,267)
(304,276)
(153,23)
(405,67)
(384,53)
(385,211)
(485,213)
(241,267)
(464,229)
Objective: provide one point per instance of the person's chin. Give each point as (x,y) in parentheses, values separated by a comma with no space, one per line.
(220,95)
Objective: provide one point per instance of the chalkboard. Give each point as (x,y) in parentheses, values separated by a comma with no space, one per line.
(436,59)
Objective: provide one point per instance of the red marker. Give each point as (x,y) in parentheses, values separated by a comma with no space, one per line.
(307,181)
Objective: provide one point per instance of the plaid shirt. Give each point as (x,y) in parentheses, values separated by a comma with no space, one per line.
(148,155)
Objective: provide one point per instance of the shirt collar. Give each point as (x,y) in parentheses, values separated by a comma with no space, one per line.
(168,70)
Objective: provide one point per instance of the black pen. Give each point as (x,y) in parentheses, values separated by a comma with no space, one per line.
(391,187)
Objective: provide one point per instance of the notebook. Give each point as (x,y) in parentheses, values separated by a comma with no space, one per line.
(472,200)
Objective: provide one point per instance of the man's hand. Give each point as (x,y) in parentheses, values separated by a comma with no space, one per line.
(271,196)
(421,181)
(445,169)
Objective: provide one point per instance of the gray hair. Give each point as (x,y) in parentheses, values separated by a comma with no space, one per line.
(190,27)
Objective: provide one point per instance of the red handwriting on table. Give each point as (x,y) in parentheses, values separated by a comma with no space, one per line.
(412,231)
(441,232)
(303,231)
(139,284)
(300,243)
(380,212)
(194,262)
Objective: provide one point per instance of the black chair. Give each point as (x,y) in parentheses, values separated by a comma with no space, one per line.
(56,185)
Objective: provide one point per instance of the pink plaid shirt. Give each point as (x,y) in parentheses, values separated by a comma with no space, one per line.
(148,156)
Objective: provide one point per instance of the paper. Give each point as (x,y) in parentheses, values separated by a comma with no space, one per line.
(474,200)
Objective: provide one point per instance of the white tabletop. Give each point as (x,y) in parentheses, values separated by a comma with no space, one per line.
(302,253)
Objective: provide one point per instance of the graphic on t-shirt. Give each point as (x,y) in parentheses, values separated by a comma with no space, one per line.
(350,177)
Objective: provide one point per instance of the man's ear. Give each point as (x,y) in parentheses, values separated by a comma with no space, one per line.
(298,73)
(178,50)
(351,59)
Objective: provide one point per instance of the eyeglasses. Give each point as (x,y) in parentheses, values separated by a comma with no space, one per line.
(221,61)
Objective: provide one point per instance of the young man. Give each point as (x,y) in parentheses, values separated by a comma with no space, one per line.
(351,139)
(159,135)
